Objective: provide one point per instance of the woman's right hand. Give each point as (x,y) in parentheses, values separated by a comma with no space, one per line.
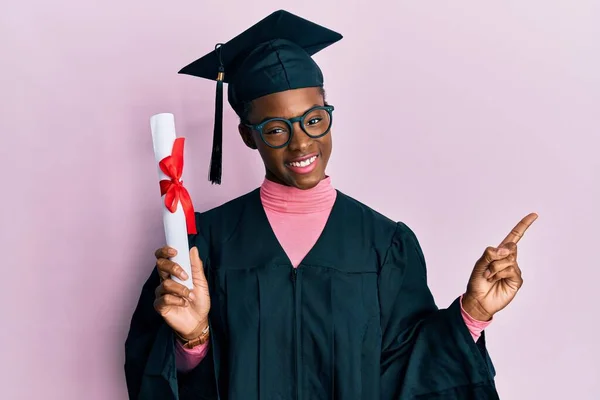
(185,311)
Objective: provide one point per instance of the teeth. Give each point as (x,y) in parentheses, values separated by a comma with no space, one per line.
(304,163)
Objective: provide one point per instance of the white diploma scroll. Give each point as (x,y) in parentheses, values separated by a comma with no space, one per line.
(163,137)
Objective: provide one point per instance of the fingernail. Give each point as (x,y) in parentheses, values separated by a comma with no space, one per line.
(183,275)
(192,297)
(172,252)
(487,273)
(503,251)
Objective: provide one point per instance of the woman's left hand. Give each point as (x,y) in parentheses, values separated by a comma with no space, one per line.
(496,278)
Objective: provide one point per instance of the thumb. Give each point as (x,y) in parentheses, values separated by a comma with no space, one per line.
(490,255)
(198,277)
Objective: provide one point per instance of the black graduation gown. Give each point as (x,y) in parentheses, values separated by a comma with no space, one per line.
(355,320)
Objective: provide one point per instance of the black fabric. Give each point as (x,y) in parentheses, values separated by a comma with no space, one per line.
(355,320)
(271,56)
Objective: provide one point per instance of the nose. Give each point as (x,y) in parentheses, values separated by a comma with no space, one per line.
(300,140)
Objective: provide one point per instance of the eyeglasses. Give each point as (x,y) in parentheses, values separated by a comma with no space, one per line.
(277,132)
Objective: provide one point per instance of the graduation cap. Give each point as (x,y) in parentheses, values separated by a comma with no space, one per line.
(271,56)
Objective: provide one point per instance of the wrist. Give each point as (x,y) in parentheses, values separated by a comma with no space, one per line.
(475,310)
(195,339)
(197,332)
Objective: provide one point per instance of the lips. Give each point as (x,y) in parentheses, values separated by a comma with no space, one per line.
(304,164)
(302,158)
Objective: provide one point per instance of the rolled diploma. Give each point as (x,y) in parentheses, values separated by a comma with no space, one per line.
(163,137)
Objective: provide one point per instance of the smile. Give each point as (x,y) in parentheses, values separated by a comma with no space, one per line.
(303,163)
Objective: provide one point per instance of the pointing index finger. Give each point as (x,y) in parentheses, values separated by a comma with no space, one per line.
(519,230)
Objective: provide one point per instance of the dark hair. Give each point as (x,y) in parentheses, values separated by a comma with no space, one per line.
(245,108)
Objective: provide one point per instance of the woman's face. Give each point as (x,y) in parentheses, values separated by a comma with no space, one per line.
(279,162)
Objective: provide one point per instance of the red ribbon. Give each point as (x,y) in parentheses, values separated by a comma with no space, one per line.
(173,188)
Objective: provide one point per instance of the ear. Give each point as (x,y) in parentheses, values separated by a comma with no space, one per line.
(246,134)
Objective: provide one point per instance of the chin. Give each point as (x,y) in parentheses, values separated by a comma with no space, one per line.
(307,182)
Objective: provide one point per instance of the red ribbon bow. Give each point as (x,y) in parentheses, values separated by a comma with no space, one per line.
(173,188)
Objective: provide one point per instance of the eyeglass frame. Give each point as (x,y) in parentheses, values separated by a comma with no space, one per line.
(290,122)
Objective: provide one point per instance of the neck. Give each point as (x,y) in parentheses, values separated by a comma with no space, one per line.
(289,199)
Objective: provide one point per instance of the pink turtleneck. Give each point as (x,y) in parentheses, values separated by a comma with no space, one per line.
(297,218)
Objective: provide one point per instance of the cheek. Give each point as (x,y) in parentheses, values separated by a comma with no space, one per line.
(326,146)
(270,156)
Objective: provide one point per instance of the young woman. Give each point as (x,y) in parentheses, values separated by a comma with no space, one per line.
(301,292)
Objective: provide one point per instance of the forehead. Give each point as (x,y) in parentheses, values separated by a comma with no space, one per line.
(286,104)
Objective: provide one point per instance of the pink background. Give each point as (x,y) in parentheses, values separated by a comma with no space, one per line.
(480,112)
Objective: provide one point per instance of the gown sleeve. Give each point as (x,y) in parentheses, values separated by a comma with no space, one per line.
(150,364)
(427,353)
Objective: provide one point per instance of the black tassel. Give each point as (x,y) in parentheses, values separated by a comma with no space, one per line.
(216,159)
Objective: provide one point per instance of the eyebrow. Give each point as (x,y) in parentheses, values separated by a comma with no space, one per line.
(270,117)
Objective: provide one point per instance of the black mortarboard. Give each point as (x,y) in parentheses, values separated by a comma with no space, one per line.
(271,56)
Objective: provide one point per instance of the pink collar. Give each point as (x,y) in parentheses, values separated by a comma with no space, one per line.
(289,199)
